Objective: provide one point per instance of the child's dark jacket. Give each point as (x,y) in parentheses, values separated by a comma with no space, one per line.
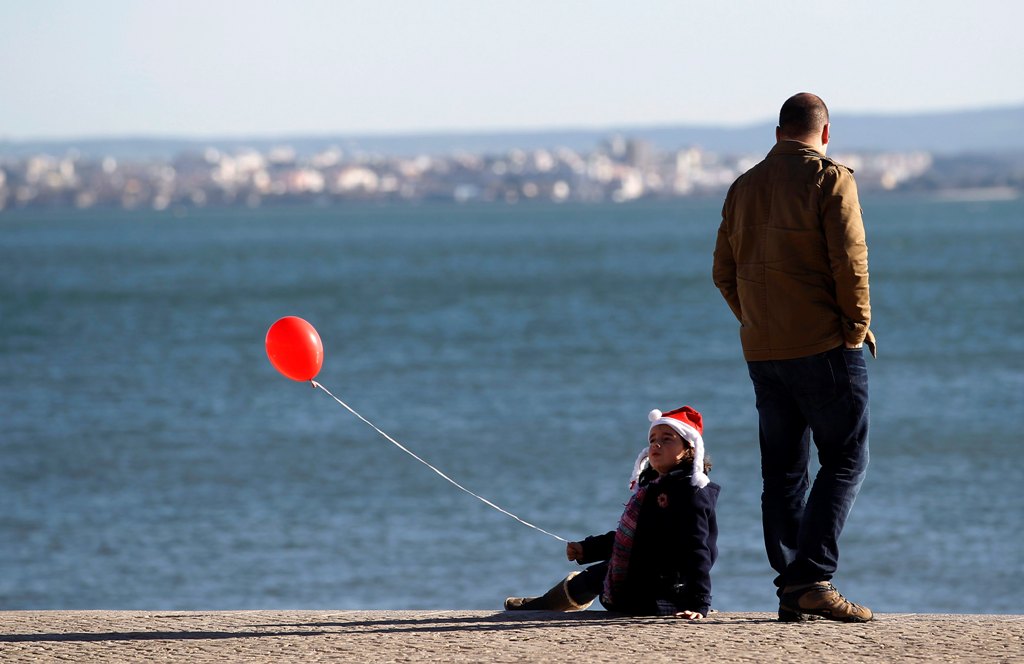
(674,547)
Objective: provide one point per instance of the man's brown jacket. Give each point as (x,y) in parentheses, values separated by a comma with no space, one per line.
(791,259)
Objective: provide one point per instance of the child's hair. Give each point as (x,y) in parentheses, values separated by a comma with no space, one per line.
(688,455)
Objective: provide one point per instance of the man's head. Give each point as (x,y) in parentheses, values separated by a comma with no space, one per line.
(804,118)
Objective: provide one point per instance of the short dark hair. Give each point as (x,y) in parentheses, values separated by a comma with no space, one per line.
(803,114)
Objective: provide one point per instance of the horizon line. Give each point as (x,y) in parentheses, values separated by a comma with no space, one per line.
(494,131)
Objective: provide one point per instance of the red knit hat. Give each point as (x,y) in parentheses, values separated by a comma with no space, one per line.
(689,424)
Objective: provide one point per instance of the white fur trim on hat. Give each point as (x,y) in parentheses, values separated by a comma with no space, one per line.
(699,478)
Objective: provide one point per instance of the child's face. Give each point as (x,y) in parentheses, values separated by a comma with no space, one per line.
(667,448)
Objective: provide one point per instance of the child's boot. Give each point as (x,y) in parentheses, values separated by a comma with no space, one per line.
(556,599)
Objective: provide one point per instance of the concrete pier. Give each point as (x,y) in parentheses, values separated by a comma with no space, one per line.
(488,636)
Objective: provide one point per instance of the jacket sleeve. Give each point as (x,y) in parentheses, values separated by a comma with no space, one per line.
(724,268)
(597,547)
(847,251)
(701,542)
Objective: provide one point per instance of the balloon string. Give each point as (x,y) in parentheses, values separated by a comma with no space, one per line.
(414,456)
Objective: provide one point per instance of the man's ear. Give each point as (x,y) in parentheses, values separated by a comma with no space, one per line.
(824,134)
(778,134)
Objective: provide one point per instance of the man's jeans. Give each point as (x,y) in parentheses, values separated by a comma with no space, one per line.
(824,396)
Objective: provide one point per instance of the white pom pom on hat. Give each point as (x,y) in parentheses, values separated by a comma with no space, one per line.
(689,424)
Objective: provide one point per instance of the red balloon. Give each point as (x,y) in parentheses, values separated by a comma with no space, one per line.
(294,348)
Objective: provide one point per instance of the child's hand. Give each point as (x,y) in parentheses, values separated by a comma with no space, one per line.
(690,615)
(574,551)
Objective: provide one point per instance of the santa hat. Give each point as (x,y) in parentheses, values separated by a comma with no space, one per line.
(688,423)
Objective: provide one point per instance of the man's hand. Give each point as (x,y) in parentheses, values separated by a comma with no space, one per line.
(574,551)
(690,615)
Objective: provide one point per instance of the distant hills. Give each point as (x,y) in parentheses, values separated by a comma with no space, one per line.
(987,131)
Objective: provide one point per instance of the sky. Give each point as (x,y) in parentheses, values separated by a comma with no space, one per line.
(106,68)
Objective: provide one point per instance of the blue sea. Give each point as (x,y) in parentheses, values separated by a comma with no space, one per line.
(152,458)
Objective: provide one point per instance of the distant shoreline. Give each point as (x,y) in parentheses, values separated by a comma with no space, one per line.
(978,194)
(947,151)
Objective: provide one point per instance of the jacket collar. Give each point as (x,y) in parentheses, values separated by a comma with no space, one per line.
(682,471)
(794,147)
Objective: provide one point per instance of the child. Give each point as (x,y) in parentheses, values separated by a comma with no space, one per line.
(658,561)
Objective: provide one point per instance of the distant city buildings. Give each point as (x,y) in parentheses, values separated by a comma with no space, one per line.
(618,170)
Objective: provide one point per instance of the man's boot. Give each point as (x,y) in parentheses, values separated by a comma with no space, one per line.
(820,600)
(556,599)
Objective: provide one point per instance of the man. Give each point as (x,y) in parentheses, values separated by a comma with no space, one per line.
(791,261)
